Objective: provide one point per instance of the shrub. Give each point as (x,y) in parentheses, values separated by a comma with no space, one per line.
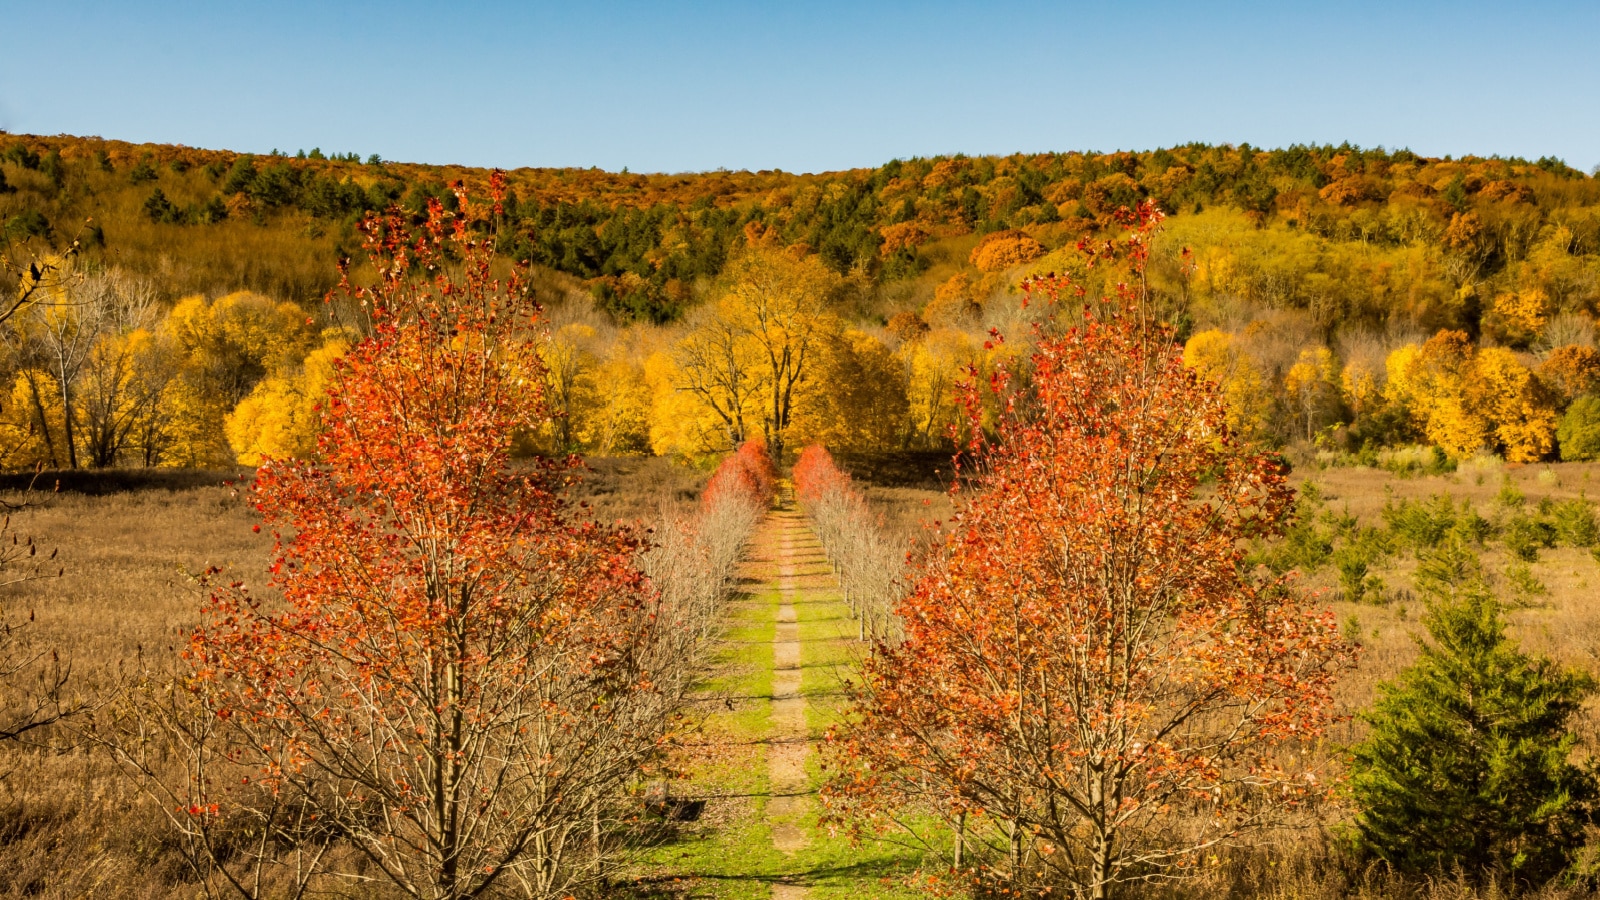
(1509,497)
(1306,544)
(1421,523)
(1525,586)
(1354,560)
(1407,462)
(1575,523)
(1525,535)
(1579,432)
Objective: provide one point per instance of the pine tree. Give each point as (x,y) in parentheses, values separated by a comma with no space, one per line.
(1468,763)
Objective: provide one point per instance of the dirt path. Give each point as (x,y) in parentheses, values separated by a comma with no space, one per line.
(788,743)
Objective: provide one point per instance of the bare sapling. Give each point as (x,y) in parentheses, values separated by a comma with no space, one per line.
(870,567)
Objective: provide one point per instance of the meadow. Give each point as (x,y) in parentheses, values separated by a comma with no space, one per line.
(72,825)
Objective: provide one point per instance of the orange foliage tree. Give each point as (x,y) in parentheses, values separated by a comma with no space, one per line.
(446,671)
(1005,249)
(1092,688)
(746,474)
(1571,371)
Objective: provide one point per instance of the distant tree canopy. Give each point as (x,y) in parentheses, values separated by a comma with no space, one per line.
(642,243)
(1343,297)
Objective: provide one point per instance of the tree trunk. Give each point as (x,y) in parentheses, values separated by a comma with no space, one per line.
(1014,849)
(1100,868)
(44,421)
(66,422)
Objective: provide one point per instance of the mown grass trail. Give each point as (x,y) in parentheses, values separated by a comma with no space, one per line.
(774,691)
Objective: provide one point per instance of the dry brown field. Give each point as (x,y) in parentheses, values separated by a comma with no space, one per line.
(71,826)
(1564,624)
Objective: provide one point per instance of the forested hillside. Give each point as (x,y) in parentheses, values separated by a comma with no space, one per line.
(1346,298)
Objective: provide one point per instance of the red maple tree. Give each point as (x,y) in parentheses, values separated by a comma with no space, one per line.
(445,669)
(1092,688)
(746,474)
(816,475)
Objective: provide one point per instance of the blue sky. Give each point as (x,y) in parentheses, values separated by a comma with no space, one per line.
(803,86)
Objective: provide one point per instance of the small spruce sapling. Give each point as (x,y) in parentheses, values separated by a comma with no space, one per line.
(1476,734)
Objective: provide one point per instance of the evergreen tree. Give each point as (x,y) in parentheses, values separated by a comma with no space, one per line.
(1469,759)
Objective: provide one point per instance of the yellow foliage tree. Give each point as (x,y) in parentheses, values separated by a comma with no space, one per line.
(1465,400)
(224,348)
(282,416)
(119,397)
(685,421)
(1362,384)
(569,362)
(746,356)
(1431,383)
(1519,408)
(30,430)
(617,402)
(934,367)
(1518,318)
(857,399)
(1313,386)
(1215,355)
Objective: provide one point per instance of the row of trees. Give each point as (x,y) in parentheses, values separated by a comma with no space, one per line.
(1314,329)
(870,568)
(103,375)
(1445,391)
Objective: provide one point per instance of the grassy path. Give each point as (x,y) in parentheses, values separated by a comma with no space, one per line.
(788,741)
(774,692)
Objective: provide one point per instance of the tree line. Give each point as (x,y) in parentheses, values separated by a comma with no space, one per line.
(1349,300)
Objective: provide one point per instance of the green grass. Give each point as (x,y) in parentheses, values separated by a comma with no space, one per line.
(829,653)
(736,859)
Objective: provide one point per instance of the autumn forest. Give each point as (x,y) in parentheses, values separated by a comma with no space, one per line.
(1203,521)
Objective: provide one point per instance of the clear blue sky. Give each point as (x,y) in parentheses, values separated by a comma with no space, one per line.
(803,86)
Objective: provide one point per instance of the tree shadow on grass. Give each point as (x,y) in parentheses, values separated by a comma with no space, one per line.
(677,883)
(102,482)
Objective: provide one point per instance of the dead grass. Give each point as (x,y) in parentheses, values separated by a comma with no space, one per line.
(1564,624)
